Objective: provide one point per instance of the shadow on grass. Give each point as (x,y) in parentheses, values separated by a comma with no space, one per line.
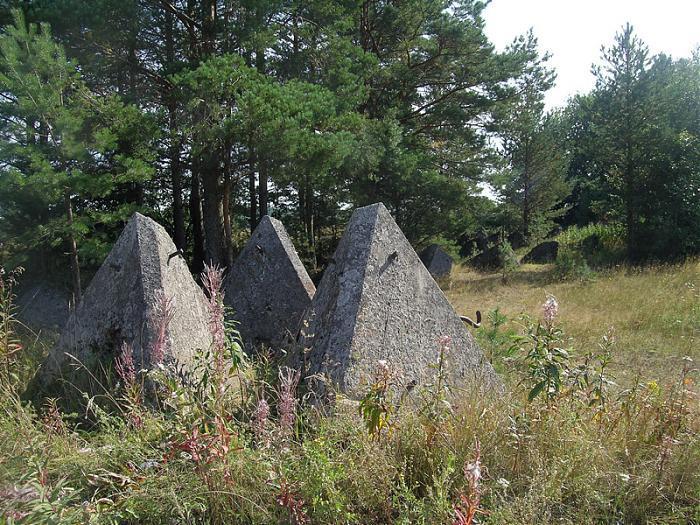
(532,276)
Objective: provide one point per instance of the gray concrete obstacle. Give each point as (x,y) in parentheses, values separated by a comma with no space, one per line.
(268,288)
(119,306)
(44,307)
(376,301)
(545,252)
(437,261)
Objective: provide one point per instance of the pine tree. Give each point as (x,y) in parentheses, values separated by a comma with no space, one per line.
(533,183)
(62,146)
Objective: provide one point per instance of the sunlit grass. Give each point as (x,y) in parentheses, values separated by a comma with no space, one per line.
(655,312)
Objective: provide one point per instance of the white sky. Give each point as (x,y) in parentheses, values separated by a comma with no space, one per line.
(574,30)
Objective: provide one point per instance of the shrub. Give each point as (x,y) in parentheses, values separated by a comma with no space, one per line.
(598,245)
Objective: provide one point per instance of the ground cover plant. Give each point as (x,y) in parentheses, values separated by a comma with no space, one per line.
(594,427)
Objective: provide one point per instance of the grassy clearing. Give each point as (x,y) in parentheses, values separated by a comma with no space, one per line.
(655,312)
(626,454)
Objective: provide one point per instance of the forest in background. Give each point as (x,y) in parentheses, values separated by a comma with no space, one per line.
(207,115)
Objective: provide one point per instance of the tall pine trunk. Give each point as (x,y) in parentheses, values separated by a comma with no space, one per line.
(212,209)
(262,187)
(175,146)
(226,204)
(196,220)
(73,249)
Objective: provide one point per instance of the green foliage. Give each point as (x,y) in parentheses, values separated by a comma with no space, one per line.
(533,182)
(509,261)
(61,142)
(633,160)
(376,407)
(10,344)
(595,246)
(594,451)
(496,338)
(571,264)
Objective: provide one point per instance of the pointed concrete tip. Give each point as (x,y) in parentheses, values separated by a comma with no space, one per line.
(268,287)
(137,216)
(378,302)
(377,207)
(117,306)
(270,222)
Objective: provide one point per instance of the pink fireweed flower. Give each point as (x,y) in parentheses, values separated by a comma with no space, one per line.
(472,472)
(260,420)
(550,309)
(125,365)
(289,379)
(212,277)
(445,342)
(161,316)
(383,370)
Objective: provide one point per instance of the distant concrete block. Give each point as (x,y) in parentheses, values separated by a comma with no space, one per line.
(437,261)
(118,306)
(268,288)
(44,307)
(376,301)
(545,252)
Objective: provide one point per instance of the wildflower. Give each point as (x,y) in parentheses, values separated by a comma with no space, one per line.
(289,499)
(550,309)
(289,379)
(383,371)
(125,365)
(161,316)
(52,419)
(503,483)
(445,341)
(260,417)
(212,277)
(468,506)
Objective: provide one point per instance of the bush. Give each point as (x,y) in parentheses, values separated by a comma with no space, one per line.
(571,264)
(600,245)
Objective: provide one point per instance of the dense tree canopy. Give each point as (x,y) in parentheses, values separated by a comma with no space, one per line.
(209,114)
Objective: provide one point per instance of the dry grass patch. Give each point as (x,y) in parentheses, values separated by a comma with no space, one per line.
(654,311)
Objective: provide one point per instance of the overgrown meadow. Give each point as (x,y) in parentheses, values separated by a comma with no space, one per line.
(598,422)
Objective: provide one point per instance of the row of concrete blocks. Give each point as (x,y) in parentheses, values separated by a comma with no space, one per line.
(375,302)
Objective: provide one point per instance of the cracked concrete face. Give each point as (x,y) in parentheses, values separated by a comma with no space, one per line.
(268,288)
(438,263)
(377,301)
(118,304)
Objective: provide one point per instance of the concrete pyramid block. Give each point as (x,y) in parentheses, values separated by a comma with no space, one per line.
(377,301)
(437,261)
(268,287)
(119,305)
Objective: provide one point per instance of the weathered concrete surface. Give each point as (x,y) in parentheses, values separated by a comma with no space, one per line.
(44,307)
(545,252)
(268,287)
(118,305)
(377,301)
(437,261)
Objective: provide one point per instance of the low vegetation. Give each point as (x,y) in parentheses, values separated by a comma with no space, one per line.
(599,423)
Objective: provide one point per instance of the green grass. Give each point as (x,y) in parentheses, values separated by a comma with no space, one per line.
(636,461)
(655,312)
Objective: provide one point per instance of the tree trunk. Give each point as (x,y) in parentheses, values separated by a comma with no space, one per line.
(309,218)
(253,215)
(213,212)
(228,232)
(196,220)
(262,187)
(213,215)
(73,247)
(175,146)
